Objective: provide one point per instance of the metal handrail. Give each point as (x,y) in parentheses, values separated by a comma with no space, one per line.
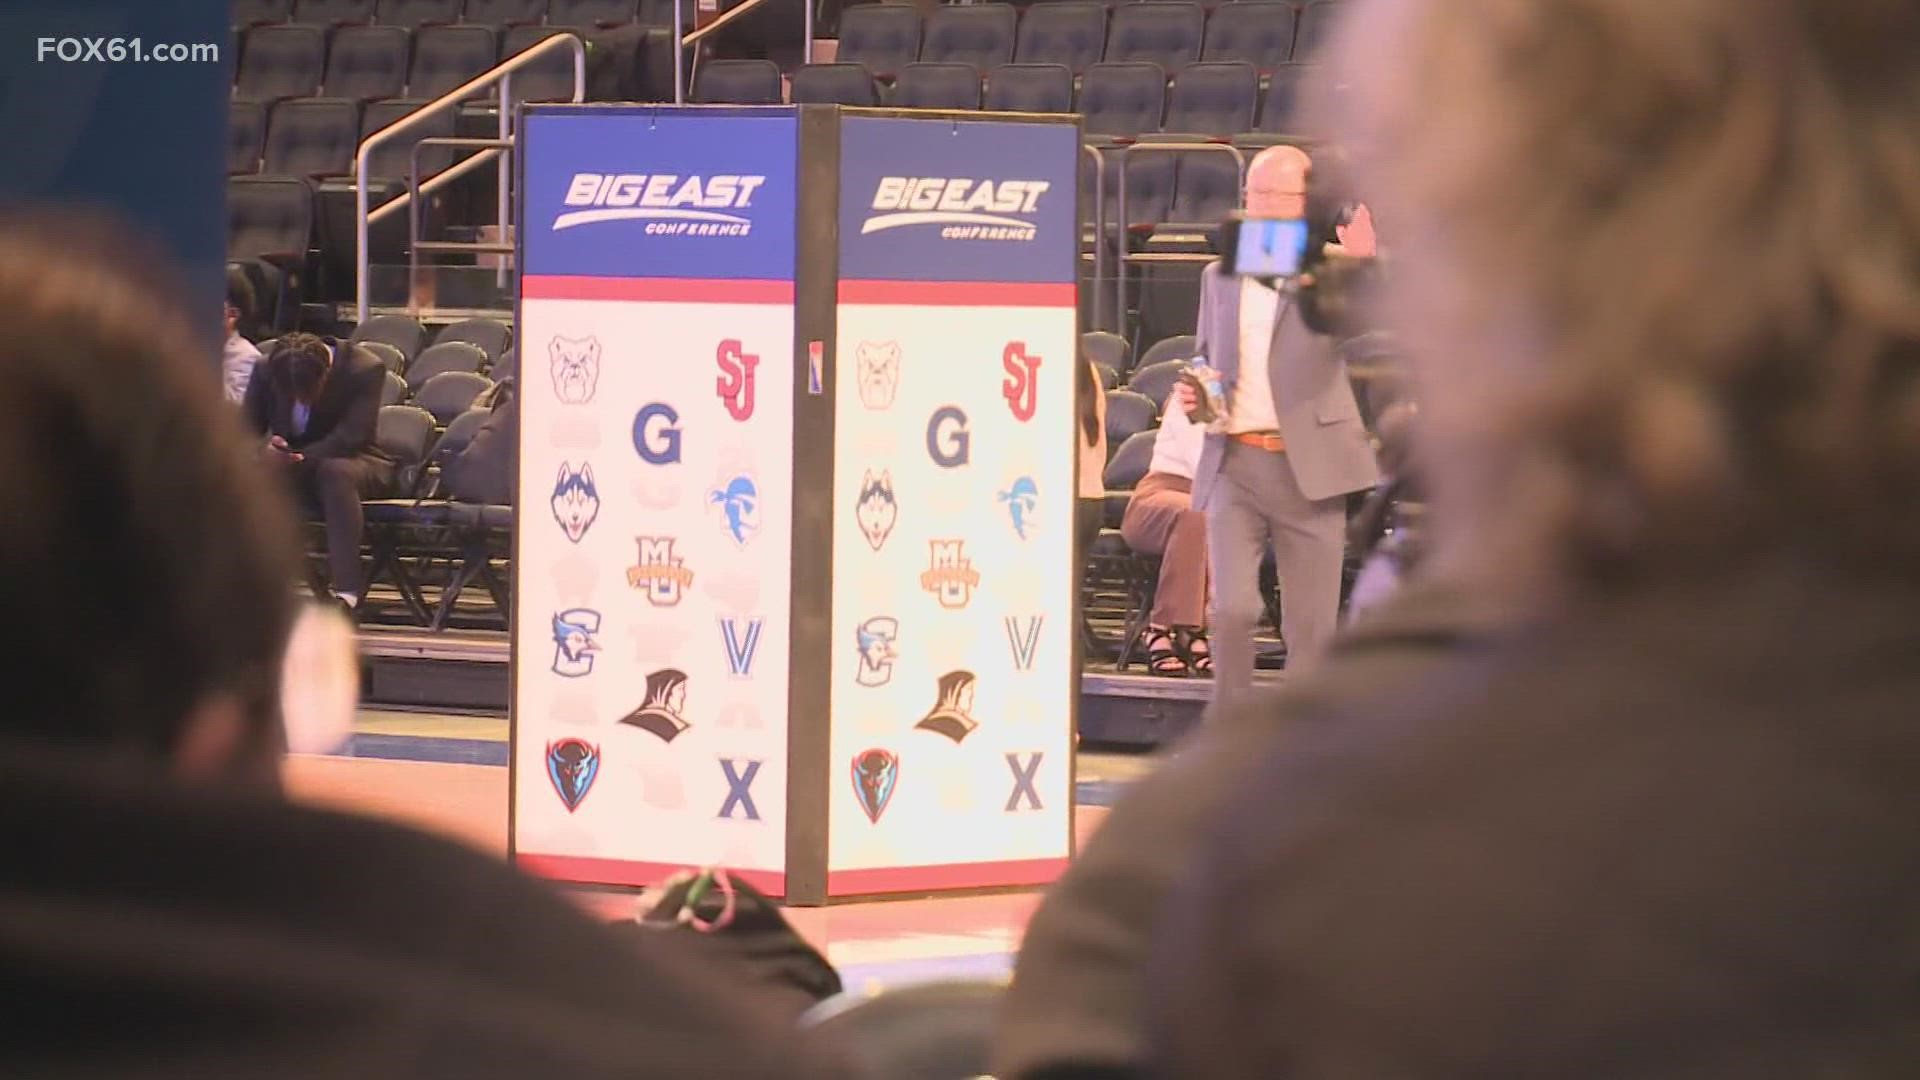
(501,74)
(1120,277)
(1099,232)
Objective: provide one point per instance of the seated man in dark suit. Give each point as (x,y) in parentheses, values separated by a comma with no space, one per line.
(318,406)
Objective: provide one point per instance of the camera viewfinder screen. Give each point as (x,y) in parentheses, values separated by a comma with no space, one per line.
(1270,248)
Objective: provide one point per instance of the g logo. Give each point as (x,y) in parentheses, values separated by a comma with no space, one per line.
(657,444)
(948,441)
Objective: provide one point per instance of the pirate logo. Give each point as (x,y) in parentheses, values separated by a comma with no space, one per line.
(738,502)
(662,712)
(572,765)
(1021,498)
(875,773)
(950,714)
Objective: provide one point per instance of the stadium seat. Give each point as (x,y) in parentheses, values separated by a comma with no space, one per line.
(413,13)
(1213,99)
(506,367)
(269,224)
(1129,412)
(449,393)
(490,336)
(258,12)
(1109,378)
(936,86)
(402,333)
(1181,347)
(1157,32)
(550,78)
(1283,91)
(368,62)
(1317,22)
(390,160)
(737,82)
(396,391)
(503,13)
(312,137)
(1123,100)
(438,359)
(281,62)
(1206,189)
(446,56)
(404,433)
(885,37)
(246,134)
(977,34)
(332,12)
(1036,88)
(1155,381)
(1257,31)
(834,84)
(1103,347)
(1133,457)
(592,12)
(389,356)
(1150,180)
(1069,32)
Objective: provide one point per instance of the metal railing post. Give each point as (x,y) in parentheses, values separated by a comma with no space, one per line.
(679,55)
(505,173)
(1099,235)
(1240,164)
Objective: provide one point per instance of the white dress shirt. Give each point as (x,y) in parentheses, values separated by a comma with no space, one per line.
(1176,446)
(237,362)
(1251,407)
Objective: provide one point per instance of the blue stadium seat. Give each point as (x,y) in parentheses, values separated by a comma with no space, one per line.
(937,86)
(404,334)
(246,134)
(1131,460)
(1109,378)
(1155,381)
(1036,88)
(368,62)
(834,84)
(1123,100)
(1069,32)
(551,77)
(312,137)
(414,13)
(1129,412)
(1213,98)
(269,226)
(737,82)
(449,393)
(1283,91)
(502,13)
(443,357)
(885,37)
(977,34)
(1257,31)
(281,62)
(395,391)
(388,356)
(1206,188)
(446,56)
(1158,32)
(490,336)
(258,12)
(1317,22)
(506,367)
(332,12)
(1104,347)
(1180,347)
(592,12)
(1150,180)
(389,161)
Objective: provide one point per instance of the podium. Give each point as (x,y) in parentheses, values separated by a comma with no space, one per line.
(794,584)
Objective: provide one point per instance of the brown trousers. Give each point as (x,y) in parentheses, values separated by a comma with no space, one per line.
(1161,520)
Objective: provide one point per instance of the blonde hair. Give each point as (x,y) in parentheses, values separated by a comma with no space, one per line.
(1659,261)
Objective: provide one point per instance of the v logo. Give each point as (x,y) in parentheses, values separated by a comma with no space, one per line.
(742,639)
(1023,637)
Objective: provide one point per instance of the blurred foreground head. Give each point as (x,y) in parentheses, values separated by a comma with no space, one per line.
(145,571)
(1660,260)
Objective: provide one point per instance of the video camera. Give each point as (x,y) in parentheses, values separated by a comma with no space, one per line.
(1333,291)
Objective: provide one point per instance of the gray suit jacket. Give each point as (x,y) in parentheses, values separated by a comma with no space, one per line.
(1327,444)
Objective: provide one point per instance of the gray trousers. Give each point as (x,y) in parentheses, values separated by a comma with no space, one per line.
(1256,502)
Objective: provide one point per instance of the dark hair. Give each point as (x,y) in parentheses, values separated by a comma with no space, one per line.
(299,364)
(1088,400)
(239,293)
(143,561)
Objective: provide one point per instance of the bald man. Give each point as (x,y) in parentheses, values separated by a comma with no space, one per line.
(1293,449)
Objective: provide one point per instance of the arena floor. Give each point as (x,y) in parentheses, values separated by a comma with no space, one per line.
(447,774)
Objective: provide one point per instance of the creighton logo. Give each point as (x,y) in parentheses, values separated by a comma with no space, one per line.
(576,368)
(671,205)
(875,773)
(1023,637)
(576,502)
(951,712)
(876,641)
(572,765)
(876,510)
(663,713)
(967,209)
(951,576)
(660,572)
(879,371)
(742,640)
(574,643)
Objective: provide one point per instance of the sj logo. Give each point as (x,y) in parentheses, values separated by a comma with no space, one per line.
(949,443)
(742,640)
(950,577)
(1021,386)
(659,573)
(656,434)
(735,384)
(740,776)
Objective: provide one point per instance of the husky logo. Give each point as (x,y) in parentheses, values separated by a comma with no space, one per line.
(657,444)
(576,502)
(576,368)
(1021,387)
(879,371)
(742,640)
(1023,637)
(875,772)
(952,709)
(967,209)
(671,205)
(572,765)
(663,713)
(735,384)
(876,510)
(739,505)
(876,640)
(949,443)
(1020,499)
(951,577)
(574,644)
(660,572)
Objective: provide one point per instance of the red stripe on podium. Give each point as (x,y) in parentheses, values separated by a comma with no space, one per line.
(961,293)
(636,874)
(984,875)
(665,290)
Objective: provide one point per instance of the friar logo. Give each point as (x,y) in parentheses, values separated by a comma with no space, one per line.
(1023,637)
(949,443)
(660,574)
(663,713)
(735,384)
(742,640)
(952,712)
(1022,385)
(951,578)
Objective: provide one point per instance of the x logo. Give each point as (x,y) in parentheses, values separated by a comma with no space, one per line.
(739,789)
(1023,775)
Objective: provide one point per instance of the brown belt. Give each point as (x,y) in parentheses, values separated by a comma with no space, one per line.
(1269,441)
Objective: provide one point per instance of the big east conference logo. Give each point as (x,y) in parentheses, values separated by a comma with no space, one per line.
(671,205)
(966,209)
(1022,385)
(735,384)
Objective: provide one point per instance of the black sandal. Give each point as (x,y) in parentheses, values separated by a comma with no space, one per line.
(1199,654)
(1164,661)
